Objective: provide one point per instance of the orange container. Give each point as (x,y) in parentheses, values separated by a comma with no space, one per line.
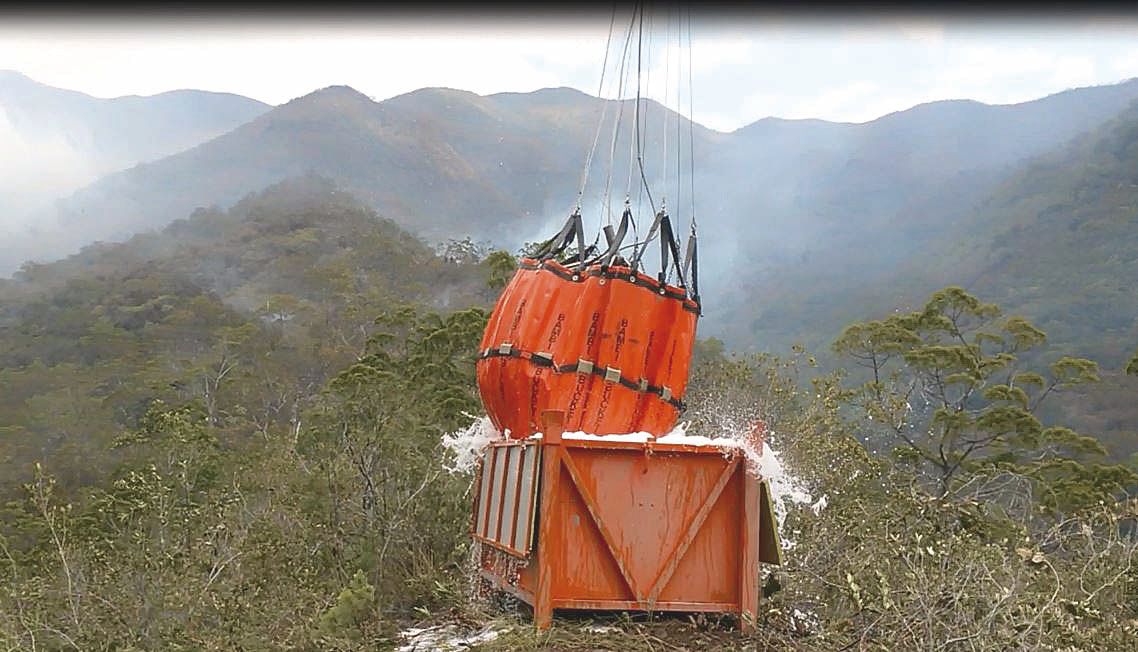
(609,347)
(612,525)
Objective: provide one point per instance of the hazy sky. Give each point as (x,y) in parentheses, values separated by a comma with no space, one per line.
(835,67)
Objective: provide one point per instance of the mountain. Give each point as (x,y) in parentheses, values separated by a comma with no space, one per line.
(80,138)
(439,161)
(283,288)
(506,167)
(1062,248)
(1059,240)
(1056,241)
(783,205)
(858,200)
(968,234)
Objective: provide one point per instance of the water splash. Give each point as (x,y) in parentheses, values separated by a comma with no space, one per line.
(467,445)
(786,488)
(447,637)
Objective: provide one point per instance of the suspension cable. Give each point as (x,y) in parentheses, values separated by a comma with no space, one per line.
(691,127)
(679,106)
(634,139)
(604,112)
(639,155)
(621,81)
(662,226)
(667,79)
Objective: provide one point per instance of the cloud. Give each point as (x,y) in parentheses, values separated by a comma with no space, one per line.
(725,122)
(1074,71)
(848,99)
(1004,75)
(1125,65)
(929,33)
(977,66)
(711,53)
(744,69)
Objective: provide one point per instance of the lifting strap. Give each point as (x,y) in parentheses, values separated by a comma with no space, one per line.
(691,264)
(668,247)
(558,243)
(607,257)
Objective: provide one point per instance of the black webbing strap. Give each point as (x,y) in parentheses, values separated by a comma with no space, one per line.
(647,284)
(575,258)
(668,246)
(651,232)
(606,258)
(558,243)
(691,265)
(609,374)
(669,249)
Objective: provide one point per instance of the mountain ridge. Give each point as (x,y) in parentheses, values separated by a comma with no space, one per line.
(57,141)
(436,107)
(774,196)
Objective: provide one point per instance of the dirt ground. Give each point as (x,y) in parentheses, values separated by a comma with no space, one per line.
(581,631)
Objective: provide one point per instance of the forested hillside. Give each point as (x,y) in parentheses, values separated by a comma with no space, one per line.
(864,255)
(1056,242)
(1063,250)
(1061,242)
(232,432)
(442,163)
(247,310)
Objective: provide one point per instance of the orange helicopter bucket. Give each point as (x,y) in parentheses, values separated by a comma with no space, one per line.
(608,346)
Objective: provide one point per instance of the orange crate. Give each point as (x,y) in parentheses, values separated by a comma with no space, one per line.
(615,525)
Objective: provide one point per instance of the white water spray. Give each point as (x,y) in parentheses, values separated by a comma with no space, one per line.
(786,489)
(468,444)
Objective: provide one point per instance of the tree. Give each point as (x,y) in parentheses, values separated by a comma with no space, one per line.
(464,251)
(500,266)
(946,391)
(1132,366)
(375,436)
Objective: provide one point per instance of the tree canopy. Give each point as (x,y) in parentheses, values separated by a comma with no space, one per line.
(949,394)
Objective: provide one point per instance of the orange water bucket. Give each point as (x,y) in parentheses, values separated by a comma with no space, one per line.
(608,346)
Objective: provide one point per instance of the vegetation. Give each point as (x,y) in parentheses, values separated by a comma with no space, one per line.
(213,441)
(318,536)
(249,311)
(229,436)
(947,389)
(887,564)
(880,562)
